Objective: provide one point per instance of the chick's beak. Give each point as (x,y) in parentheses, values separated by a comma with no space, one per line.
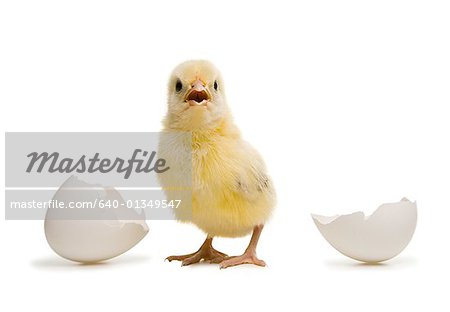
(198,94)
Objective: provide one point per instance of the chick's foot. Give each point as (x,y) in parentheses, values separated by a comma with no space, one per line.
(206,253)
(249,257)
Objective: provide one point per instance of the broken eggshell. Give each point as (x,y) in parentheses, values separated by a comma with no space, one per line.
(92,235)
(374,238)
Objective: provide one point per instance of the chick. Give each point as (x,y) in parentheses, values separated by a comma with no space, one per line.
(232,195)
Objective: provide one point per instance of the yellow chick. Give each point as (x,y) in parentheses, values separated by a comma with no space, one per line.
(232,195)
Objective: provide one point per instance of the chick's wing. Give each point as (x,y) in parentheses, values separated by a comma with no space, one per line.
(251,177)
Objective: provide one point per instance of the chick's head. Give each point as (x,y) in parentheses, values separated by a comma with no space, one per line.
(196,98)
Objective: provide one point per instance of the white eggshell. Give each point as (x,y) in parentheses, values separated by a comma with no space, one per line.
(92,240)
(375,238)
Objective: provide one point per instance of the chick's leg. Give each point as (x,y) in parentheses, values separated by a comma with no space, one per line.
(205,253)
(249,255)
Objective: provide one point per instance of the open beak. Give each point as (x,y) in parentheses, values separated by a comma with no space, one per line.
(198,95)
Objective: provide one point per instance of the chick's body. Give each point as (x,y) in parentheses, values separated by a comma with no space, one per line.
(231,191)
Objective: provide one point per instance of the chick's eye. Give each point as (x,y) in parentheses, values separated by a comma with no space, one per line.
(178,86)
(216,86)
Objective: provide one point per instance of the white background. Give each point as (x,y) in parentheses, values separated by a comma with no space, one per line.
(346,100)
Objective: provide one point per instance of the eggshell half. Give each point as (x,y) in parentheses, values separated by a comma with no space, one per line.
(92,240)
(375,238)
